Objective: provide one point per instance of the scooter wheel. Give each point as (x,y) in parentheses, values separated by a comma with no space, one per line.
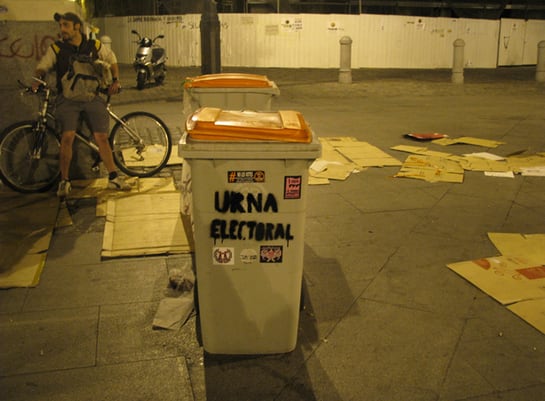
(140,80)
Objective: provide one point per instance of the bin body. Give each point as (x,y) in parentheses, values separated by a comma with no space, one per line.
(249,203)
(229,91)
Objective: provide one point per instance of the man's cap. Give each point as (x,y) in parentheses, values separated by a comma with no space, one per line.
(68,17)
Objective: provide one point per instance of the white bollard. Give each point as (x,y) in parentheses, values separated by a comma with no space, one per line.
(345,73)
(106,41)
(540,67)
(458,62)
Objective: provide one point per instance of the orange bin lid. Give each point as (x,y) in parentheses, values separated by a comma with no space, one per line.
(228,80)
(210,123)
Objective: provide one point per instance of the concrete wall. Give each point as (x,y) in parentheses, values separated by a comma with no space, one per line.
(22,44)
(27,29)
(35,10)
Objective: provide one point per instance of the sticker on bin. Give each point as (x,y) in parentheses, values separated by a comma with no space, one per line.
(244,177)
(223,256)
(248,256)
(211,123)
(292,187)
(228,80)
(271,254)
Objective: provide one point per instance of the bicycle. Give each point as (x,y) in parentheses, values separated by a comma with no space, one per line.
(29,150)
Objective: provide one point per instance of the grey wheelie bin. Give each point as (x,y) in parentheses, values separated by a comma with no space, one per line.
(249,172)
(229,91)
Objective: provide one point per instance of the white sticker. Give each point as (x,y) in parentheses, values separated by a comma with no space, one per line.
(248,256)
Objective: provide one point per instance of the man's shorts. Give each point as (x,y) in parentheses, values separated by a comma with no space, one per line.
(69,114)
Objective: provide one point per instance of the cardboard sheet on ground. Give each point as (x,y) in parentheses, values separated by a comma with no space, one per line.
(520,164)
(342,156)
(431,169)
(317,181)
(492,165)
(144,224)
(533,171)
(485,155)
(26,226)
(97,187)
(420,150)
(487,143)
(329,153)
(331,171)
(152,156)
(480,164)
(508,279)
(533,311)
(516,279)
(141,185)
(364,155)
(174,158)
(332,165)
(532,246)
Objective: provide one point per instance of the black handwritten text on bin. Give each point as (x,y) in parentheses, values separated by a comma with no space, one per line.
(234,229)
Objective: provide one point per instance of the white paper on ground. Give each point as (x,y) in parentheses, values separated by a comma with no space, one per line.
(502,174)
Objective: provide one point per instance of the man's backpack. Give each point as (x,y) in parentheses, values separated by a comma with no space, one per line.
(85,76)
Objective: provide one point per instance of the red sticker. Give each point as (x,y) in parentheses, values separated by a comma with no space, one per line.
(292,187)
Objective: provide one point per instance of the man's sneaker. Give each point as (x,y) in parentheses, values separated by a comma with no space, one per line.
(64,188)
(118,184)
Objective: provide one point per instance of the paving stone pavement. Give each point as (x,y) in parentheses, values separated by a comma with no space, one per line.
(384,318)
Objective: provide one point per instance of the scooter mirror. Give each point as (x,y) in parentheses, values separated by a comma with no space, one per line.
(133,31)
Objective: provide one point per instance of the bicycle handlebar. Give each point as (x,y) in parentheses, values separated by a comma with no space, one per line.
(104,91)
(43,86)
(41,81)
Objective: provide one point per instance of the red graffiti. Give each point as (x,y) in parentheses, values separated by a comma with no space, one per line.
(25,48)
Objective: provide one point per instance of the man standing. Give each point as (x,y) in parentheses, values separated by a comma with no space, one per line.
(57,57)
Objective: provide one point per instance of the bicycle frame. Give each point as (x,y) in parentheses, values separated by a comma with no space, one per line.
(41,121)
(129,130)
(45,115)
(141,145)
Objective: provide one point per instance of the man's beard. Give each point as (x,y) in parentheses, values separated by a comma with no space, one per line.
(67,37)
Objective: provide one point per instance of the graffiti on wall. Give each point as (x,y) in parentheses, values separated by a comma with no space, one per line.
(26,47)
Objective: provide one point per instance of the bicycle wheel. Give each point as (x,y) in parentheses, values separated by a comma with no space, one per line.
(141,145)
(26,166)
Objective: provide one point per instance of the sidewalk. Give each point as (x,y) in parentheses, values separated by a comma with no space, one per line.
(384,318)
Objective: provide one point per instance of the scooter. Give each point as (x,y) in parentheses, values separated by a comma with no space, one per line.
(149,62)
